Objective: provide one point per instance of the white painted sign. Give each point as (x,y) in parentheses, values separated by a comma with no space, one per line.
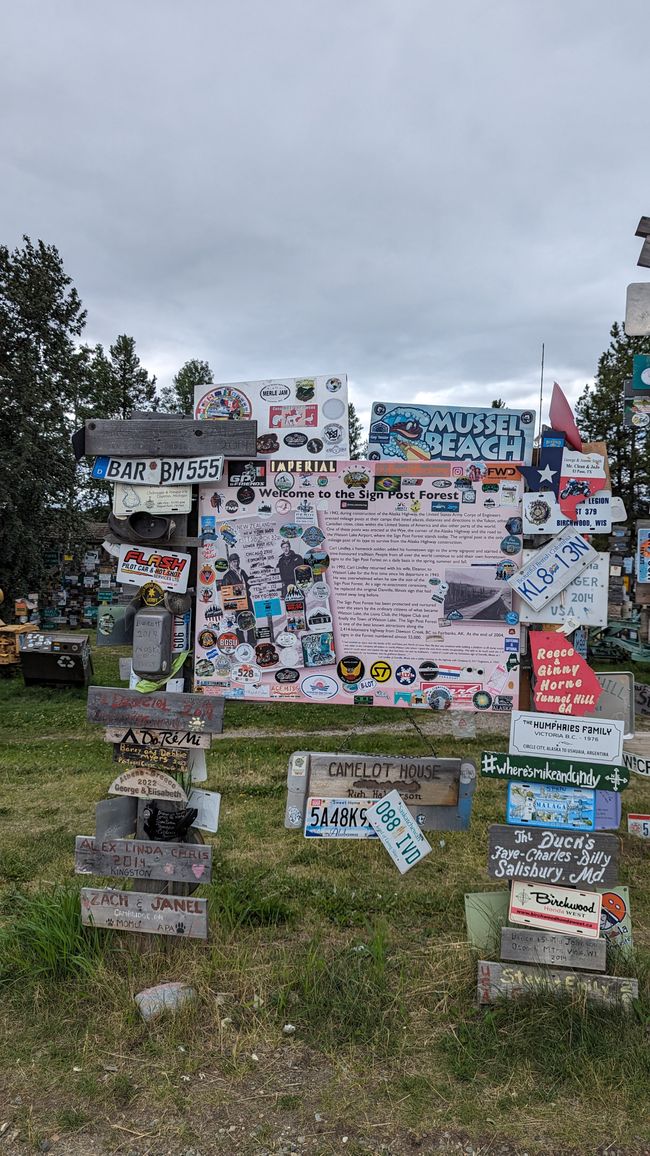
(598,739)
(584,599)
(552,568)
(140,564)
(639,825)
(541,513)
(555,908)
(398,831)
(207,804)
(636,756)
(147,784)
(159,471)
(129,499)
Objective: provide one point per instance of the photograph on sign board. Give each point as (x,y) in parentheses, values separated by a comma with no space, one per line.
(539,805)
(333,587)
(420,433)
(304,417)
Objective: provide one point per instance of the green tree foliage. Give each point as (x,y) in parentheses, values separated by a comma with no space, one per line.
(599,415)
(498,403)
(40,317)
(179,396)
(355,429)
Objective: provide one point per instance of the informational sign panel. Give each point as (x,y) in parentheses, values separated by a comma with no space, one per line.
(149,913)
(420,433)
(555,908)
(600,740)
(151,499)
(567,857)
(584,600)
(325,587)
(303,417)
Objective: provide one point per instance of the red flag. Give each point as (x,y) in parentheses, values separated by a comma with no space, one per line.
(561,417)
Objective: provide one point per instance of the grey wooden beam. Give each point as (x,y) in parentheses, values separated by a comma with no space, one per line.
(181,438)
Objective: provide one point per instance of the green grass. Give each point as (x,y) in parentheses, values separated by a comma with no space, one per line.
(371,968)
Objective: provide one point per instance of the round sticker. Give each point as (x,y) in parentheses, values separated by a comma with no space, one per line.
(319,686)
(224,401)
(312,536)
(290,530)
(266,654)
(439,698)
(512,618)
(221,565)
(482,700)
(319,592)
(283,505)
(286,639)
(322,483)
(231,507)
(333,434)
(314,446)
(227,642)
(511,544)
(208,594)
(334,407)
(151,594)
(205,668)
(207,638)
(246,620)
(222,666)
(381,671)
(350,669)
(539,512)
(284,482)
(428,671)
(246,674)
(305,389)
(268,444)
(206,575)
(333,384)
(245,652)
(641,420)
(273,392)
(406,674)
(294,439)
(246,495)
(287,674)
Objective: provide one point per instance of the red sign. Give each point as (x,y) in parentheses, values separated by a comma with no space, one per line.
(564,683)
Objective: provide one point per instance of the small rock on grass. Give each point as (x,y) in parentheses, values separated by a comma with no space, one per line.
(153,1001)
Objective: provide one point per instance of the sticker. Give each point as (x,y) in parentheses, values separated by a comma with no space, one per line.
(350,669)
(356,478)
(283,416)
(319,686)
(275,392)
(224,401)
(318,649)
(152,594)
(439,698)
(268,444)
(207,638)
(333,408)
(284,482)
(319,618)
(318,560)
(206,575)
(428,670)
(246,620)
(246,673)
(381,671)
(287,674)
(246,495)
(305,388)
(205,668)
(312,536)
(482,700)
(295,439)
(405,674)
(290,530)
(266,654)
(314,445)
(227,642)
(245,652)
(246,474)
(511,544)
(333,384)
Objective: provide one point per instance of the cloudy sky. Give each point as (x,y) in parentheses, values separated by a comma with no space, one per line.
(416,193)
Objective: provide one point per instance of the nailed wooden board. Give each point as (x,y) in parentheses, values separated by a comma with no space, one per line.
(571,858)
(157,758)
(554,772)
(429,781)
(115,706)
(153,914)
(517,980)
(173,740)
(143,783)
(143,859)
(636,755)
(552,949)
(138,438)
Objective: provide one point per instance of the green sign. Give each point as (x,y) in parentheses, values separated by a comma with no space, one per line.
(558,772)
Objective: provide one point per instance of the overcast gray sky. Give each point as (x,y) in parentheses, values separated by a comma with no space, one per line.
(416,193)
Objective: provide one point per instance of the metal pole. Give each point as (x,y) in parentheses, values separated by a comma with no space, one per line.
(541,395)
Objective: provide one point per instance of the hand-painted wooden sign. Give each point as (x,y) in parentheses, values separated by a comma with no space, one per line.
(156,472)
(372,776)
(564,683)
(567,857)
(140,564)
(114,707)
(153,438)
(398,831)
(552,568)
(141,783)
(540,805)
(555,908)
(160,758)
(168,740)
(556,772)
(432,782)
(638,825)
(642,698)
(636,755)
(517,980)
(600,740)
(153,914)
(529,945)
(143,859)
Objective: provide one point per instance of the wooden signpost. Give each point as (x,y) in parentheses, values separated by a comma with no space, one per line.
(141,783)
(115,706)
(143,439)
(571,858)
(153,914)
(554,772)
(514,981)
(526,945)
(175,762)
(143,859)
(168,739)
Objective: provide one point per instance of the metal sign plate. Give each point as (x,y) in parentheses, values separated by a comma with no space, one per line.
(555,908)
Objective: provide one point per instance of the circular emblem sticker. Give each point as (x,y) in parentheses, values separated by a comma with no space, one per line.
(428,671)
(268,444)
(246,620)
(246,495)
(294,439)
(406,675)
(245,652)
(350,669)
(514,525)
(333,384)
(314,446)
(231,507)
(512,618)
(206,575)
(511,544)
(151,594)
(227,642)
(482,700)
(224,401)
(539,512)
(287,674)
(284,482)
(333,434)
(439,698)
(207,638)
(205,668)
(381,671)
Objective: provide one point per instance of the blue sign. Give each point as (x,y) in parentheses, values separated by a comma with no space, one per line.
(541,805)
(100,467)
(267,607)
(449,433)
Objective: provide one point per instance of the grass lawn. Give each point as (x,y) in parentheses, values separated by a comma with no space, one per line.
(371,968)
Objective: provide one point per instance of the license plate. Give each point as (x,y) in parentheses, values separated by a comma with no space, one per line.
(398,831)
(639,825)
(552,568)
(158,471)
(338,819)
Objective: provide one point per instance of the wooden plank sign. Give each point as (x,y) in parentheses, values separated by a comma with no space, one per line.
(143,859)
(142,783)
(600,740)
(114,706)
(554,772)
(153,914)
(515,981)
(642,698)
(156,473)
(558,857)
(169,740)
(430,781)
(528,945)
(636,755)
(555,908)
(158,758)
(147,438)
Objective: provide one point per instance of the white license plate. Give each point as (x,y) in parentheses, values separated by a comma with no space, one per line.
(158,471)
(639,825)
(338,819)
(398,831)
(552,568)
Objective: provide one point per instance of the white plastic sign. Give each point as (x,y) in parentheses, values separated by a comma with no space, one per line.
(598,739)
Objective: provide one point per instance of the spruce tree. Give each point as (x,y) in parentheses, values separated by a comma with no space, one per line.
(179,396)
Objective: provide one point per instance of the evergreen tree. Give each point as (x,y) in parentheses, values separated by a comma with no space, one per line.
(599,415)
(179,396)
(130,384)
(40,317)
(355,430)
(498,403)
